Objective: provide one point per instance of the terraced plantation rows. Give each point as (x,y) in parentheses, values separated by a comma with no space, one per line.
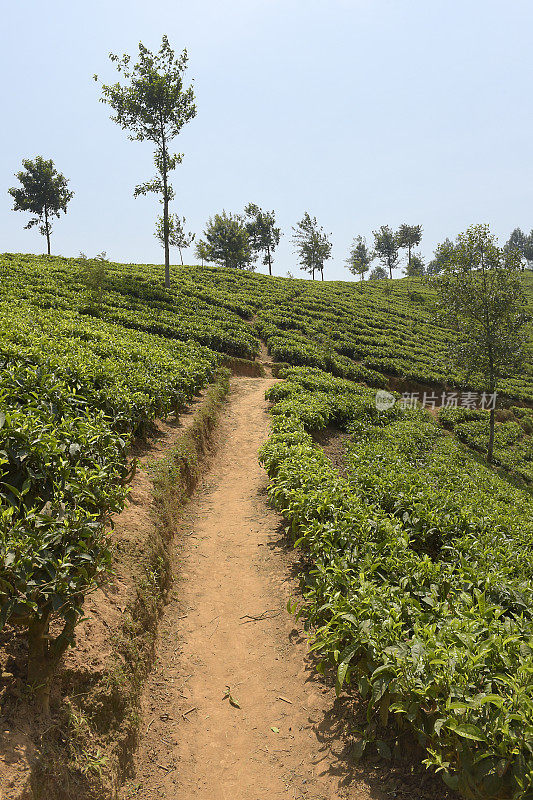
(416,577)
(419,593)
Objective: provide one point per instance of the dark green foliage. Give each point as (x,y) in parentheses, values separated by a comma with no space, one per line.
(312,245)
(415,268)
(378,274)
(386,246)
(481,299)
(264,236)
(517,242)
(360,257)
(43,193)
(420,590)
(409,236)
(442,256)
(227,242)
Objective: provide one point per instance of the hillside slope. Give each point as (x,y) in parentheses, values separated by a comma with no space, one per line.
(91,354)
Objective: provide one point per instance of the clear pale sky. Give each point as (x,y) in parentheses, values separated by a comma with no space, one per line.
(362,112)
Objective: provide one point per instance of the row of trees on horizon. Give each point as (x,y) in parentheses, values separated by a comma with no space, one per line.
(238,240)
(153,104)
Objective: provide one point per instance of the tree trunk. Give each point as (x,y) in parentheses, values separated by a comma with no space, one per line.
(181,256)
(165,208)
(490,450)
(269,261)
(390,271)
(165,234)
(47,229)
(322,273)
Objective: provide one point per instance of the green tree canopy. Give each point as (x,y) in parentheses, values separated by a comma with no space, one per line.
(409,236)
(226,242)
(480,299)
(177,235)
(415,267)
(528,249)
(43,192)
(200,251)
(312,245)
(360,257)
(442,255)
(379,273)
(386,248)
(263,233)
(153,104)
(517,241)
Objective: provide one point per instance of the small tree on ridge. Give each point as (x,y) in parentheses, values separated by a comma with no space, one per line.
(386,248)
(261,228)
(312,245)
(43,193)
(360,257)
(409,236)
(226,242)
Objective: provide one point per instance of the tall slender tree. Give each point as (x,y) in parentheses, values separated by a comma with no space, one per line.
(360,257)
(263,233)
(153,104)
(386,248)
(409,236)
(312,245)
(43,192)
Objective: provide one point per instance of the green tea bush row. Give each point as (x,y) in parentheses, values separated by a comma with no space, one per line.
(421,591)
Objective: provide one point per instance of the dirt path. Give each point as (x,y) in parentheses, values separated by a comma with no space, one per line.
(226,626)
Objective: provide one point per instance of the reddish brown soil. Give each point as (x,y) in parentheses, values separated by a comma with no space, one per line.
(226,628)
(282,734)
(20,733)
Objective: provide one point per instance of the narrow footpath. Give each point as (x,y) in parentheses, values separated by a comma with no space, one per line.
(233,709)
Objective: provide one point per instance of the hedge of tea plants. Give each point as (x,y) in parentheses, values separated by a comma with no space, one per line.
(513,443)
(368,332)
(420,592)
(74,389)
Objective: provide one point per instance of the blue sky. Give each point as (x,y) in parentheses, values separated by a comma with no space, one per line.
(362,112)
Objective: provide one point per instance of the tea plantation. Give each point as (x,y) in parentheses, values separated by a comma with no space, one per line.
(420,586)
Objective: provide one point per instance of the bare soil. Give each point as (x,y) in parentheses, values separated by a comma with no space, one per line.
(226,628)
(234,707)
(22,734)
